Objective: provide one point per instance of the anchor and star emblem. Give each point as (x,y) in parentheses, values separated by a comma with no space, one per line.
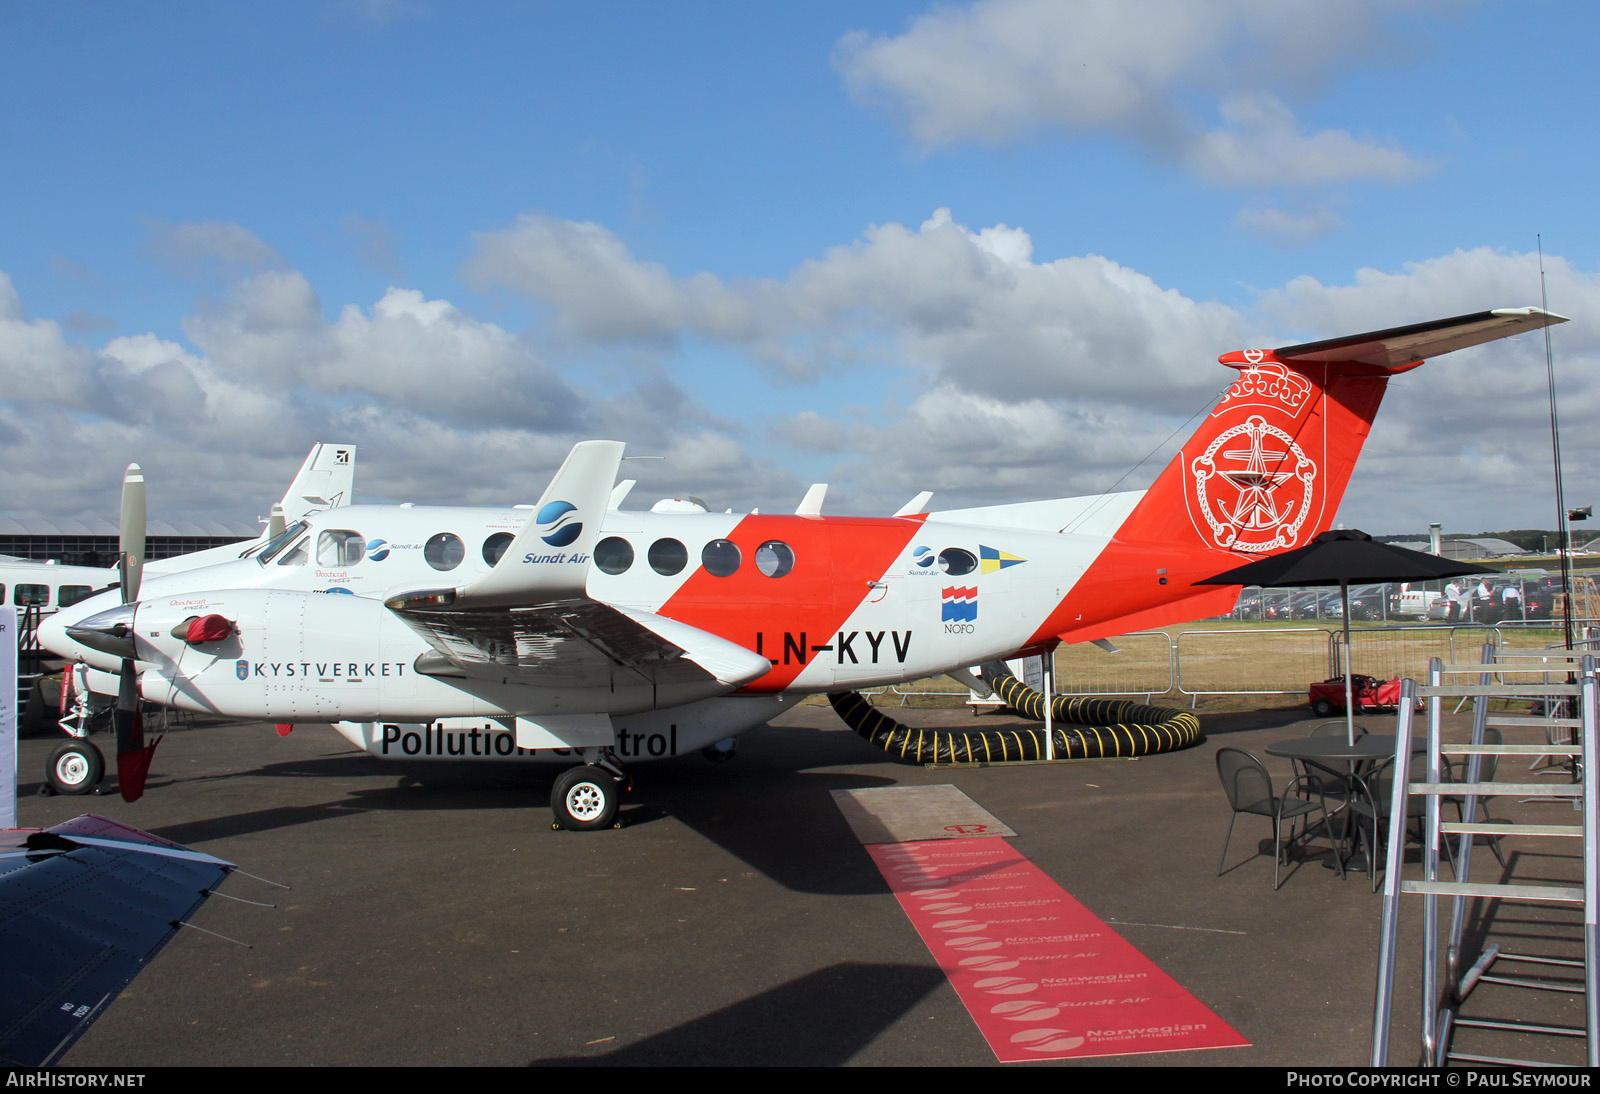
(1255,518)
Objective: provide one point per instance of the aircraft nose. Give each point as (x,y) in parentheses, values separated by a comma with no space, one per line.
(53,636)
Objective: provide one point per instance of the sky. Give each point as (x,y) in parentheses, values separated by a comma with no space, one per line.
(991,249)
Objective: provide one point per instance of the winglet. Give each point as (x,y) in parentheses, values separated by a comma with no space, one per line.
(549,559)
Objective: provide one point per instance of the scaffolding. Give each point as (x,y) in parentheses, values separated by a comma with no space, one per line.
(1557,737)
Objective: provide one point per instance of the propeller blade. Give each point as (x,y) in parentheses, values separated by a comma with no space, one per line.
(133,756)
(131,532)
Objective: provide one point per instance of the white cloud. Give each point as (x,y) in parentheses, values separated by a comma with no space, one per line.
(597,289)
(445,408)
(1262,144)
(997,70)
(208,248)
(1285,226)
(942,300)
(1014,375)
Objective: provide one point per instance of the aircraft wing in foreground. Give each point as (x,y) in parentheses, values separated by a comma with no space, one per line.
(84,906)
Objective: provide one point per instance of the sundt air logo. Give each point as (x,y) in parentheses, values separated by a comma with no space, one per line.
(959,608)
(558,524)
(1254,487)
(378,550)
(992,559)
(241,669)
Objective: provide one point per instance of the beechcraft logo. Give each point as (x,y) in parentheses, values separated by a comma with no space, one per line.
(559,524)
(959,604)
(341,455)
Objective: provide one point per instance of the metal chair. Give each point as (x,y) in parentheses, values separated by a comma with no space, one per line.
(1370,800)
(1249,788)
(1334,784)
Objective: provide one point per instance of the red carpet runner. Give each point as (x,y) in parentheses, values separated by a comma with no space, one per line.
(1042,976)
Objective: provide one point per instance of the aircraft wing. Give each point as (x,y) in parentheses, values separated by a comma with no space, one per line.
(530,621)
(581,644)
(83,907)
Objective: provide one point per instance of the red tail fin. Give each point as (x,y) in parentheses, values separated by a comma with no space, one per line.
(1264,473)
(1268,468)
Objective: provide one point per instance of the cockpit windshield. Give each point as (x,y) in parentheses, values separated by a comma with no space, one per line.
(289,535)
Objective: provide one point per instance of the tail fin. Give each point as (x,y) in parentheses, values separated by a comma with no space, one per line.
(1263,474)
(327,479)
(1267,470)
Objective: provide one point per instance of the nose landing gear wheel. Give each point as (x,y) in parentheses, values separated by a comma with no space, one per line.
(585,799)
(75,768)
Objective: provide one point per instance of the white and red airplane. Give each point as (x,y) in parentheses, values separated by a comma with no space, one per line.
(577,630)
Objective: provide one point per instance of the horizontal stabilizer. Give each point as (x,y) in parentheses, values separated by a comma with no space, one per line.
(1399,346)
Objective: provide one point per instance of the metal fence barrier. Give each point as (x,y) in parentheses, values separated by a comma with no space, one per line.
(1250,661)
(1259,660)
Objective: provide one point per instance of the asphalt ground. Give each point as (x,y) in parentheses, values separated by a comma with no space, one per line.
(436,919)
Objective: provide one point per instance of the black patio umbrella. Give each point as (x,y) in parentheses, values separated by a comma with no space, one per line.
(1338,557)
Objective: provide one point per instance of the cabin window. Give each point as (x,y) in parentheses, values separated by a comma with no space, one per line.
(955,562)
(720,557)
(613,555)
(444,551)
(340,547)
(774,558)
(31,594)
(286,537)
(495,546)
(71,594)
(668,557)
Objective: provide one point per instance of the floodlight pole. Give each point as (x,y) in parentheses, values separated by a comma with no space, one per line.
(1349,693)
(1562,538)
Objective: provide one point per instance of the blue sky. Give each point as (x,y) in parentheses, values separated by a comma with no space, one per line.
(987,249)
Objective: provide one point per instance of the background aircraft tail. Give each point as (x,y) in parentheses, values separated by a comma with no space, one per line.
(327,479)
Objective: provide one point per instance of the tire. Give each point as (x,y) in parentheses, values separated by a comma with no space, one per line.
(75,768)
(1322,708)
(585,799)
(722,755)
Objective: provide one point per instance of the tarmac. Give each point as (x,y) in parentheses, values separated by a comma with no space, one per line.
(435,918)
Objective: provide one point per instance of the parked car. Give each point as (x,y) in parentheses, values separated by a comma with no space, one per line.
(1415,600)
(1368,603)
(1539,596)
(1365,692)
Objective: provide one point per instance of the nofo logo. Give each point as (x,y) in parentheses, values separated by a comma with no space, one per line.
(378,550)
(562,528)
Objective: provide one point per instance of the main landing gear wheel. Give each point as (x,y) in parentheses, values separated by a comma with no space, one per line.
(76,768)
(585,799)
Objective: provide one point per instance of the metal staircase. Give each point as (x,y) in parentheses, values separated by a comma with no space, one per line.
(1567,692)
